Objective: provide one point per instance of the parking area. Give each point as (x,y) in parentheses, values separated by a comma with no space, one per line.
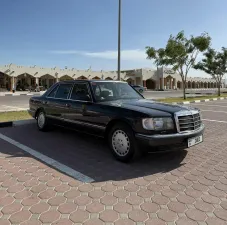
(176,188)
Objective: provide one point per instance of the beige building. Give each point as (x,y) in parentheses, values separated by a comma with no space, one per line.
(164,78)
(15,77)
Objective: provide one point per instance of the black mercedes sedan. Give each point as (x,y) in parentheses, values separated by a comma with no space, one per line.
(114,110)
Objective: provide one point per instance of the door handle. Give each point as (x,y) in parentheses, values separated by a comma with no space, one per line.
(45,102)
(67,105)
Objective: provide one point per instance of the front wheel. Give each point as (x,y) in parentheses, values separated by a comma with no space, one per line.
(122,142)
(42,122)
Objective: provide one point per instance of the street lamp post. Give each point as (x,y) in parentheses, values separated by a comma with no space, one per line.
(119,42)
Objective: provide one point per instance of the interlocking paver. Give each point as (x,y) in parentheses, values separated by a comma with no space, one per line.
(134,200)
(150,207)
(210,199)
(196,215)
(167,215)
(186,221)
(3,193)
(203,206)
(154,187)
(30,201)
(62,188)
(144,193)
(53,183)
(122,207)
(63,222)
(79,216)
(38,188)
(224,205)
(40,208)
(109,200)
(96,194)
(85,188)
(56,201)
(83,200)
(221,214)
(109,216)
(160,200)
(138,215)
(189,193)
(5,222)
(72,193)
(215,221)
(108,187)
(6,200)
(23,194)
(155,221)
(47,194)
(20,216)
(177,207)
(67,208)
(131,187)
(121,194)
(12,208)
(49,216)
(94,221)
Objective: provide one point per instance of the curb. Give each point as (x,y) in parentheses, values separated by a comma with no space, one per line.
(29,94)
(16,123)
(198,101)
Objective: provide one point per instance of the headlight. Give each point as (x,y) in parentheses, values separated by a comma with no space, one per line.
(158,123)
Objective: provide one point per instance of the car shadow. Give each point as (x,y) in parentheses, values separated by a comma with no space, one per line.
(97,162)
(90,155)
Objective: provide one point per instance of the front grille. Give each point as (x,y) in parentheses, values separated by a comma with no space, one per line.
(189,122)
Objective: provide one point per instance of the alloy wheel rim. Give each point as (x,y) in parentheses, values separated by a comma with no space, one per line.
(41,120)
(120,143)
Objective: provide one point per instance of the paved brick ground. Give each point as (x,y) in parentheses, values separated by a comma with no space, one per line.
(194,191)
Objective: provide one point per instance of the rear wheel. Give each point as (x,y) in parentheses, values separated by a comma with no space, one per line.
(42,121)
(122,142)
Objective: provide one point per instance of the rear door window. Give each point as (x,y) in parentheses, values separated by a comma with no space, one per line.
(80,92)
(63,91)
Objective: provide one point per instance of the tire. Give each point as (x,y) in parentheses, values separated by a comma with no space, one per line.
(42,121)
(122,143)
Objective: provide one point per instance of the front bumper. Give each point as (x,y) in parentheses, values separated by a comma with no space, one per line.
(168,139)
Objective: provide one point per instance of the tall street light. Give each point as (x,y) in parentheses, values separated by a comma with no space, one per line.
(119,42)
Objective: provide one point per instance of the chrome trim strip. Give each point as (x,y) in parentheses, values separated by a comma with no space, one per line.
(182,134)
(77,122)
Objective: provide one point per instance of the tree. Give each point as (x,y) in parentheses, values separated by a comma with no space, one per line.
(215,64)
(180,53)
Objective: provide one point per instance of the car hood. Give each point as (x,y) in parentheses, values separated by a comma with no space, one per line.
(149,106)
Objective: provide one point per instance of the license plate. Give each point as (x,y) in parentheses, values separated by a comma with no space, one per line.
(195,140)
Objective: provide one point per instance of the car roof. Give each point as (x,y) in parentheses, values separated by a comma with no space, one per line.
(89,81)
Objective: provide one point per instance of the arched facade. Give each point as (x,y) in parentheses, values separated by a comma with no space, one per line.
(5,82)
(12,76)
(96,78)
(24,82)
(150,84)
(47,80)
(82,78)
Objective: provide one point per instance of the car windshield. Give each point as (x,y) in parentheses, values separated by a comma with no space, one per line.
(109,91)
